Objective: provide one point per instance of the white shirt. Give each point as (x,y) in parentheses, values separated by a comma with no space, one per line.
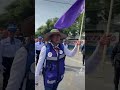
(8,49)
(92,62)
(38,45)
(17,70)
(65,45)
(42,58)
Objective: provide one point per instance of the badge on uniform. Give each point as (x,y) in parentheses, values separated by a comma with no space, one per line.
(61,52)
(50,54)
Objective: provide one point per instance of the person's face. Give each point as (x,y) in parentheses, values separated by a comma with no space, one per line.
(17,32)
(55,38)
(39,40)
(5,33)
(36,40)
(11,34)
(0,31)
(32,39)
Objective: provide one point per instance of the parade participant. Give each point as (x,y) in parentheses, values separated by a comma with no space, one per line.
(22,75)
(24,57)
(92,62)
(53,57)
(8,46)
(65,42)
(19,35)
(36,40)
(83,53)
(3,34)
(115,58)
(38,46)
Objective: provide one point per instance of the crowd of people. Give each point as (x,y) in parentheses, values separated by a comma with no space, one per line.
(9,44)
(19,55)
(52,66)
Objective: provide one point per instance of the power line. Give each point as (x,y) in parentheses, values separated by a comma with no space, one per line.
(58,2)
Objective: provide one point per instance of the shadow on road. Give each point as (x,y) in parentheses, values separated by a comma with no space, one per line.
(72,68)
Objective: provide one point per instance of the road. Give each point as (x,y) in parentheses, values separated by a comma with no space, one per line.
(74,78)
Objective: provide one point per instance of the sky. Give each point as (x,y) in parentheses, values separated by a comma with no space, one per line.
(46,9)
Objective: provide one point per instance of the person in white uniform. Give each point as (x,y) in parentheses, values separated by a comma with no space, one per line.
(3,34)
(23,67)
(22,74)
(8,48)
(38,46)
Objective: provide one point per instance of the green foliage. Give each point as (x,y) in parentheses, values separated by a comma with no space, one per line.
(46,28)
(73,30)
(95,7)
(17,11)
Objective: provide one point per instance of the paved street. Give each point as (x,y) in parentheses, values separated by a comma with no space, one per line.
(74,76)
(102,78)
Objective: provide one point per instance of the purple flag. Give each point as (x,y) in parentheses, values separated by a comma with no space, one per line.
(70,16)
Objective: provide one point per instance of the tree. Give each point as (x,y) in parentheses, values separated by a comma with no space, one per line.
(17,11)
(46,28)
(98,10)
(73,30)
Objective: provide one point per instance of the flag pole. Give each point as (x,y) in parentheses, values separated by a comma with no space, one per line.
(81,28)
(109,18)
(107,32)
(108,27)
